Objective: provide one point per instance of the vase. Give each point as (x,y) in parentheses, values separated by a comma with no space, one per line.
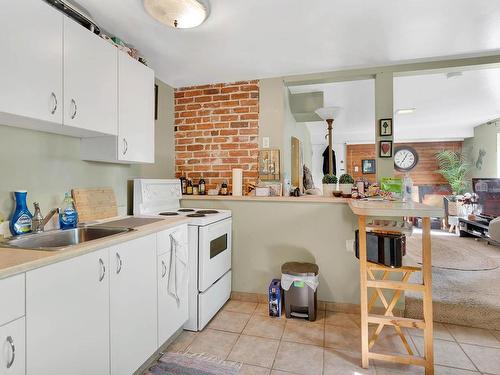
(328,189)
(346,188)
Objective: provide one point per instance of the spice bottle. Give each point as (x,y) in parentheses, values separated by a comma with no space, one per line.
(195,190)
(189,187)
(223,188)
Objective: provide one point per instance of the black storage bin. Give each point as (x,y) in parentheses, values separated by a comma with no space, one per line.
(385,249)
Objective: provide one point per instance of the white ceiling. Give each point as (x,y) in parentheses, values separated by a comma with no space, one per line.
(445,108)
(249,39)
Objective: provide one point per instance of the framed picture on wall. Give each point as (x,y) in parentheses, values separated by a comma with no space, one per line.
(269,164)
(385,149)
(385,127)
(368,166)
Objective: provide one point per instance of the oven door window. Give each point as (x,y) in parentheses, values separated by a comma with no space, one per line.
(218,245)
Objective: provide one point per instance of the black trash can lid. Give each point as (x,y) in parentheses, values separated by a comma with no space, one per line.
(299,268)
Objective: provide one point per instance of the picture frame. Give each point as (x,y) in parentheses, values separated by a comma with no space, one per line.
(368,166)
(385,127)
(269,164)
(385,149)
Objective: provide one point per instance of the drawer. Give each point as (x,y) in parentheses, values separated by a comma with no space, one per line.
(163,238)
(13,348)
(12,296)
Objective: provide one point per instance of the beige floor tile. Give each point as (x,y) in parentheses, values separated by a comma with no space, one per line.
(229,321)
(299,358)
(182,342)
(390,342)
(343,338)
(442,370)
(253,370)
(477,336)
(446,353)
(210,341)
(486,359)
(386,368)
(342,362)
(279,372)
(342,319)
(262,309)
(439,330)
(496,334)
(264,326)
(240,306)
(256,351)
(304,332)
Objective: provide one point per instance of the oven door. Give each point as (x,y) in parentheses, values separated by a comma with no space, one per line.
(214,252)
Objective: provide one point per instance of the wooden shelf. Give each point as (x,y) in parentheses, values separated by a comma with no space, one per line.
(396,285)
(404,359)
(381,267)
(396,321)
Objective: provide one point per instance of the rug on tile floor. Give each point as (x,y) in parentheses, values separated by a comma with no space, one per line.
(192,364)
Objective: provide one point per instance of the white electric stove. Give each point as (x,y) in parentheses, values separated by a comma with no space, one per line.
(209,236)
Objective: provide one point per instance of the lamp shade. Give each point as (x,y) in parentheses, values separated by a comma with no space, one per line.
(328,113)
(181,14)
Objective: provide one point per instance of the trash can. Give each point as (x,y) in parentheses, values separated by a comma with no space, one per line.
(300,282)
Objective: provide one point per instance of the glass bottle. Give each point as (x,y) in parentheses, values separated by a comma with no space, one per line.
(223,188)
(189,187)
(202,186)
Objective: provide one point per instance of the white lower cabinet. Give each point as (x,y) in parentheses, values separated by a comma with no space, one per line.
(133,304)
(67,317)
(13,348)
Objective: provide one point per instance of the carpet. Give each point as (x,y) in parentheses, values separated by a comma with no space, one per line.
(453,252)
(460,296)
(172,363)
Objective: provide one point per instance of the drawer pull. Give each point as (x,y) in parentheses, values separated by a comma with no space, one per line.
(118,263)
(13,350)
(164,269)
(54,100)
(75,108)
(103,270)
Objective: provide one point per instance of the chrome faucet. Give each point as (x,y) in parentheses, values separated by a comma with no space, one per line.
(39,221)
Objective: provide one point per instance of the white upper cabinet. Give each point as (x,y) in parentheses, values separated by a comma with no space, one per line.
(133,312)
(136,129)
(67,317)
(90,81)
(31,86)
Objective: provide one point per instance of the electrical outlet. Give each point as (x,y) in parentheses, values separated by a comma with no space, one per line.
(349,246)
(265,142)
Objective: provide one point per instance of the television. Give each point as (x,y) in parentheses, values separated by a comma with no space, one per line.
(488,192)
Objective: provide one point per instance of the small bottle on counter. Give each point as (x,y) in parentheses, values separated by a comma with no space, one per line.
(195,190)
(183,185)
(189,187)
(202,188)
(223,188)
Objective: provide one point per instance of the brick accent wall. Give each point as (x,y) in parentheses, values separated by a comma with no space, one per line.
(216,130)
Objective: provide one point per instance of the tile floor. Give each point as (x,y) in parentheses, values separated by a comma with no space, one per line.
(243,332)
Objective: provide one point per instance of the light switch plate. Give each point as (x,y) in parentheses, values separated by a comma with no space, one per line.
(265,142)
(349,246)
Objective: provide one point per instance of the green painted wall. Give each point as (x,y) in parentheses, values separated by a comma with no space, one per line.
(47,165)
(484,141)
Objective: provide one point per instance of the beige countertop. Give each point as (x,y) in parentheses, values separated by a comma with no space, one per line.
(389,208)
(15,261)
(302,199)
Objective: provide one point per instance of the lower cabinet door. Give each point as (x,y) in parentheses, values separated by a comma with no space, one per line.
(133,304)
(13,348)
(172,314)
(67,317)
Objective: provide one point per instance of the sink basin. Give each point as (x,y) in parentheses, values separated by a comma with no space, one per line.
(61,239)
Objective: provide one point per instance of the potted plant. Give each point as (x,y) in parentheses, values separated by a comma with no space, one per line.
(454,167)
(345,183)
(329,184)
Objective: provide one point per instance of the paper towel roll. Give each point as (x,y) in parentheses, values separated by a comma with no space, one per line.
(237,182)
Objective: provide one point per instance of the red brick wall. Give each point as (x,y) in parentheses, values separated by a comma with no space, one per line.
(216,130)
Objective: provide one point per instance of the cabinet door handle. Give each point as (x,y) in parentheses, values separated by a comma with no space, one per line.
(125,146)
(75,108)
(54,100)
(163,269)
(13,351)
(103,270)
(118,263)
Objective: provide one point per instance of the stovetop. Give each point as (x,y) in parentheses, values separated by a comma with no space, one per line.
(199,216)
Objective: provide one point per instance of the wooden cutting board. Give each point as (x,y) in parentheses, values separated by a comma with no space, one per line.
(95,203)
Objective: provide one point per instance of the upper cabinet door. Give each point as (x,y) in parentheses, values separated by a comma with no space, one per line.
(31,62)
(90,81)
(136,96)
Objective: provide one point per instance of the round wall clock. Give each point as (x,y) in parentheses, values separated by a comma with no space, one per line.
(405,158)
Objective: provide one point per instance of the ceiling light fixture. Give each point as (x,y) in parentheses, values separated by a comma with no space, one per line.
(405,111)
(181,14)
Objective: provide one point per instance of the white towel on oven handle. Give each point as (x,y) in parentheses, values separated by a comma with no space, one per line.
(178,271)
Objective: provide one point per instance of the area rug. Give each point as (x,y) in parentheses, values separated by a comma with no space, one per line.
(463,297)
(172,363)
(452,252)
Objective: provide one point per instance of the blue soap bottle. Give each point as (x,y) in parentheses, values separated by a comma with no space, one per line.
(68,217)
(22,219)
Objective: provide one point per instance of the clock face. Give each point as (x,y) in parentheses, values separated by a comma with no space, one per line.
(405,159)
